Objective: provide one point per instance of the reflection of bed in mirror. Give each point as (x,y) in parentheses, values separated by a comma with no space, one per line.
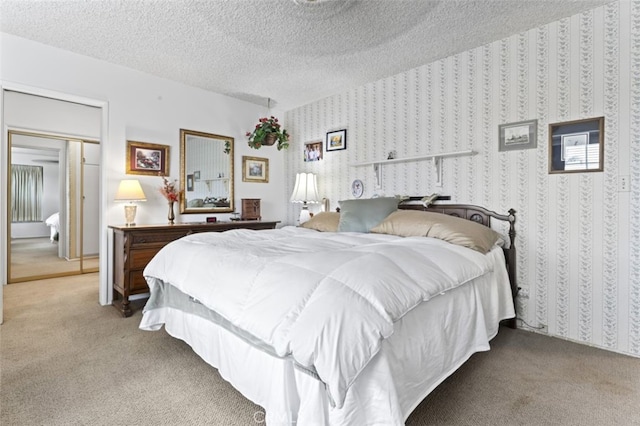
(206,172)
(53,222)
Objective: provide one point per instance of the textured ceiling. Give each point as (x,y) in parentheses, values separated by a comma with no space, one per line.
(292,52)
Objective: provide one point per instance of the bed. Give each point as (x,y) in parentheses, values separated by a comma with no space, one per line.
(350,320)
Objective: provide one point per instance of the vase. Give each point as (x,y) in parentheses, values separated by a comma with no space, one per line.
(269,139)
(171,216)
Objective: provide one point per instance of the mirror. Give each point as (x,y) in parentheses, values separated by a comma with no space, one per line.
(206,172)
(53,210)
(577,146)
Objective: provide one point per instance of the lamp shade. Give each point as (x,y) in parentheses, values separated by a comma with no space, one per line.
(305,189)
(130,190)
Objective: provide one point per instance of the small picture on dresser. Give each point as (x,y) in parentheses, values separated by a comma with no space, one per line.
(255,169)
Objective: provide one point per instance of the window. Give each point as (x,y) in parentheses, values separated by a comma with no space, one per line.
(26,193)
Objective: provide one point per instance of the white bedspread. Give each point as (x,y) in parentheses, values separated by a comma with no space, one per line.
(325,300)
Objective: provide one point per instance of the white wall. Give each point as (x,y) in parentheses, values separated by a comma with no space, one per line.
(578,237)
(143,108)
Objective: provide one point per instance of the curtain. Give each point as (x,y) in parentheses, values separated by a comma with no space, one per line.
(26,191)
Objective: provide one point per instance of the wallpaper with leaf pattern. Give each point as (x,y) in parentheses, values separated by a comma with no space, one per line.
(578,237)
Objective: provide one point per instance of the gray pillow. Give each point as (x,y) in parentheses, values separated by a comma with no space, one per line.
(362,215)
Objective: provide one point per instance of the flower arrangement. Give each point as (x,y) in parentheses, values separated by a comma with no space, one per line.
(267,132)
(169,190)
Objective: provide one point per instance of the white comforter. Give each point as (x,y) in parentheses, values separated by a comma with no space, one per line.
(326,300)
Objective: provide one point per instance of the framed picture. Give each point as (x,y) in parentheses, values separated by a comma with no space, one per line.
(336,140)
(313,151)
(147,159)
(255,169)
(196,176)
(189,183)
(577,146)
(520,135)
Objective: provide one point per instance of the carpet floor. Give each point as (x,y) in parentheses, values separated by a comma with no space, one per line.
(66,360)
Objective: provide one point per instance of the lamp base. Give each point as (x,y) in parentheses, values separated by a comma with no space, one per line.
(305,215)
(130,214)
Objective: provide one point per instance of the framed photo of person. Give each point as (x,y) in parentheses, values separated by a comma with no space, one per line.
(313,151)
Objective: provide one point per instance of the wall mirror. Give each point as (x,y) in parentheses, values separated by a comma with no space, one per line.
(577,146)
(206,172)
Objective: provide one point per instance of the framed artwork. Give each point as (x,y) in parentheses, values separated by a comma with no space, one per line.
(147,159)
(313,151)
(196,176)
(255,169)
(189,183)
(336,140)
(577,146)
(520,135)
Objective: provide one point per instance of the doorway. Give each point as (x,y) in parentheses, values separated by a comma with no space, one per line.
(53,188)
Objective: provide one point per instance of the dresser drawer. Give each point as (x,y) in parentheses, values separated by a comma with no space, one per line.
(139,258)
(158,238)
(138,283)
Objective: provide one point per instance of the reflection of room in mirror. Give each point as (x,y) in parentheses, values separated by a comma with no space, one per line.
(54,225)
(207,170)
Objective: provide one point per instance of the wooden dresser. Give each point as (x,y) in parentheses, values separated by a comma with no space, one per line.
(134,246)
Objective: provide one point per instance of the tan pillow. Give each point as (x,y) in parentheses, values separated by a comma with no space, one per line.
(323,222)
(414,223)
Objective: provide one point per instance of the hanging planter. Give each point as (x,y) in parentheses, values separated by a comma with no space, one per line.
(267,132)
(270,139)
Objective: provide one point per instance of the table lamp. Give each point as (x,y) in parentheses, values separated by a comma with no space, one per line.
(305,191)
(130,191)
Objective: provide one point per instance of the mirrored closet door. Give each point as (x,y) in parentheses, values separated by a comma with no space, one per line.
(53,191)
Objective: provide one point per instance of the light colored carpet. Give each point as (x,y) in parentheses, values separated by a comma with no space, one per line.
(65,360)
(34,257)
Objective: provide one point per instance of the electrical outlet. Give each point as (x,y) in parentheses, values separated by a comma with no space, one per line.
(623,183)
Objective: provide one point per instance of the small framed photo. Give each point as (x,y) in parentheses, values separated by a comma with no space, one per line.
(255,169)
(520,135)
(336,140)
(189,183)
(147,159)
(313,151)
(196,176)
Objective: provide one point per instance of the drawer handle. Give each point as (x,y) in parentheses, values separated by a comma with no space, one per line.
(142,240)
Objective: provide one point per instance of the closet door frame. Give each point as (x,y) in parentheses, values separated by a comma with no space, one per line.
(105,293)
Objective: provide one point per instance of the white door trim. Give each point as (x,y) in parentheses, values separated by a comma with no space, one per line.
(105,292)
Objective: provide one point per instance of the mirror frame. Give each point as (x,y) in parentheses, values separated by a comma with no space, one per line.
(589,128)
(184,209)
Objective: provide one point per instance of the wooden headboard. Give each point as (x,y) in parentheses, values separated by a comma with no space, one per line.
(483,216)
